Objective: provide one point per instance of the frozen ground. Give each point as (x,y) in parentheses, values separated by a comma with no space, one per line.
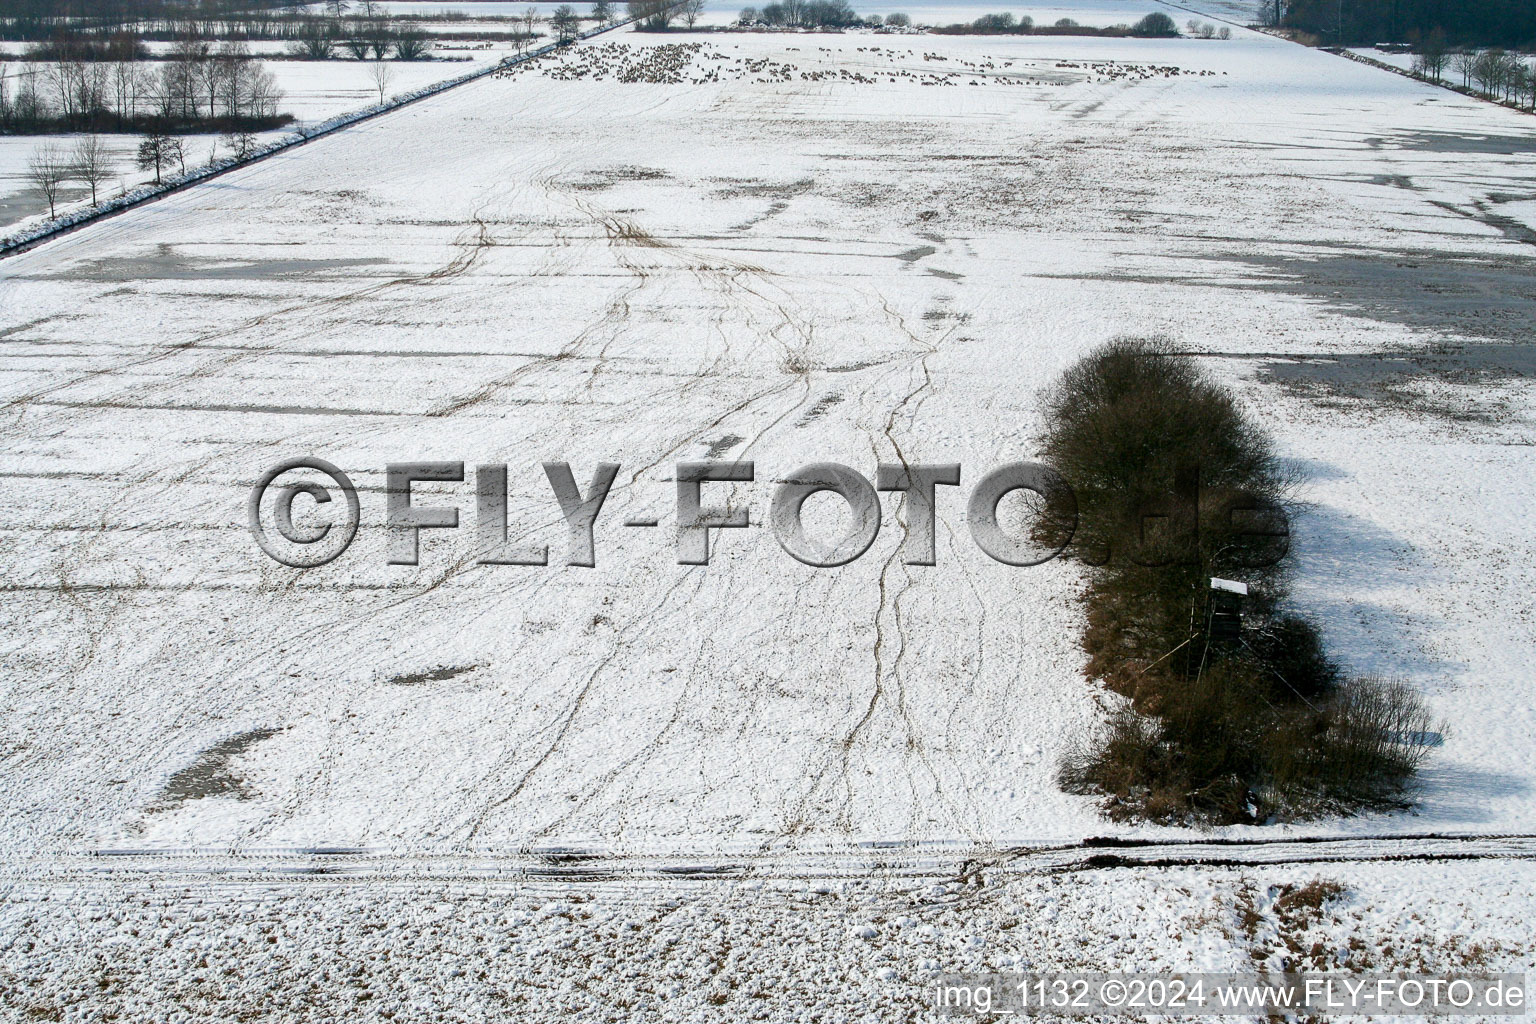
(798,253)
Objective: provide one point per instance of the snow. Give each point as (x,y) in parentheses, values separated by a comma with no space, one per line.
(530,269)
(413,949)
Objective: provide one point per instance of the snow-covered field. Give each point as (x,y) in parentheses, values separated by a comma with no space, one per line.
(804,251)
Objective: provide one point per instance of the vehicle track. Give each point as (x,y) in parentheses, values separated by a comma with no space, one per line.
(895,861)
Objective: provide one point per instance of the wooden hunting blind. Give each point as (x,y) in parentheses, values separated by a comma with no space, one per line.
(1224,609)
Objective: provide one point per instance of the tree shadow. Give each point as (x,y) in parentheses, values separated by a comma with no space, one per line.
(1349,575)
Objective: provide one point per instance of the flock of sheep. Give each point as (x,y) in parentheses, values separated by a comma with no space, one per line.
(697,63)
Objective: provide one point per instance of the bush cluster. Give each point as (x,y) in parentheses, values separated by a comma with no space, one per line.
(1153,25)
(1175,485)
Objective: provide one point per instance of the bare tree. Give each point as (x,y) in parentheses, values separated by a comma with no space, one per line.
(91,91)
(261,92)
(1465,63)
(1513,78)
(241,144)
(232,82)
(47,171)
(126,83)
(565,23)
(690,10)
(26,106)
(411,44)
(651,14)
(379,37)
(381,74)
(210,75)
(316,40)
(1432,56)
(602,12)
(1488,71)
(153,153)
(60,77)
(529,15)
(92,163)
(176,150)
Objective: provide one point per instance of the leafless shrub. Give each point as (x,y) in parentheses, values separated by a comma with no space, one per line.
(47,170)
(91,163)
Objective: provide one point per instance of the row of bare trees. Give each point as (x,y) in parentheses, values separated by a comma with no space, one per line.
(655,15)
(39,19)
(245,20)
(196,86)
(375,39)
(51,167)
(90,162)
(1492,73)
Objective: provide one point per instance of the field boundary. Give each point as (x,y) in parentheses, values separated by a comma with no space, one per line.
(22,241)
(917,860)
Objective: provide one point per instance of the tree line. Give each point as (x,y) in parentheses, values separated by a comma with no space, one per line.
(1155,25)
(29,20)
(198,86)
(804,14)
(363,36)
(1494,74)
(1507,23)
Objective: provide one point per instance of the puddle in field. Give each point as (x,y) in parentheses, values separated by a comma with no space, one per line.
(1490,301)
(1457,142)
(18,206)
(1493,299)
(212,773)
(1405,381)
(166,264)
(1474,313)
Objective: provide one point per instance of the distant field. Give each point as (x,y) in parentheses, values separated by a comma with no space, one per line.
(313,91)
